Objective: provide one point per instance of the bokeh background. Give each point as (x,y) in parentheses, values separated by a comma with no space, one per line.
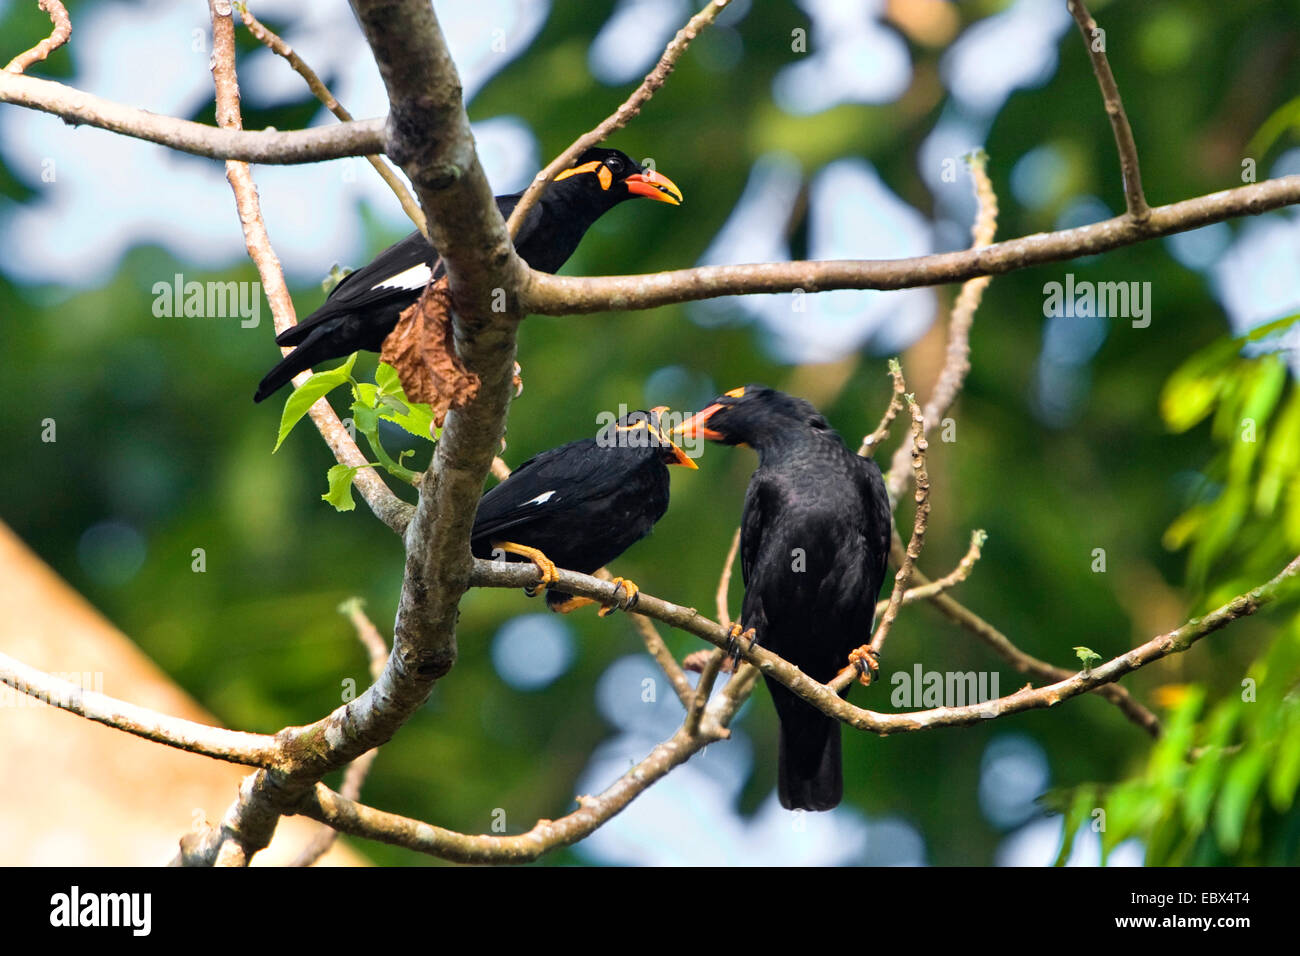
(1073,434)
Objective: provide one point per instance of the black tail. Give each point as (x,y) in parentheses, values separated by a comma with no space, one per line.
(809,775)
(313,350)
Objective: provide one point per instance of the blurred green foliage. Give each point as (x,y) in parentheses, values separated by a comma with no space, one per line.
(156,430)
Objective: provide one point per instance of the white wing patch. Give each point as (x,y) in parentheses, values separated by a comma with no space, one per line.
(541,499)
(416,277)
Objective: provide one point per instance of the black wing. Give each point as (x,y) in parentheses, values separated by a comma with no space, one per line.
(541,486)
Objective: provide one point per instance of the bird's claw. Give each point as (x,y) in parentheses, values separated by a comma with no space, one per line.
(867,663)
(547,569)
(630,595)
(735,637)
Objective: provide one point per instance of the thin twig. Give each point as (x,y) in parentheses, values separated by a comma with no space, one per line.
(387,506)
(914,545)
(62,24)
(620,117)
(1094,40)
(1002,645)
(956,363)
(654,644)
(952,578)
(354,777)
(277,45)
(724,580)
(871,442)
(234,746)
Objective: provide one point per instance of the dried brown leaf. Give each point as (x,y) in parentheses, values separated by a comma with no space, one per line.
(422,350)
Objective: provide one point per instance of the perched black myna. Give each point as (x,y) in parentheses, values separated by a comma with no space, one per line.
(363,309)
(581,505)
(814,538)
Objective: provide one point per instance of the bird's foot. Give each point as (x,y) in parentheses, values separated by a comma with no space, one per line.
(630,594)
(867,664)
(733,642)
(572,603)
(544,564)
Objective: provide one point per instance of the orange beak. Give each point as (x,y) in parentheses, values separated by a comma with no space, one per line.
(654,186)
(694,426)
(681,457)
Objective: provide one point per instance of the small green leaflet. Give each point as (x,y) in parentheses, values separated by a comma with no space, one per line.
(308,393)
(340,493)
(1088,657)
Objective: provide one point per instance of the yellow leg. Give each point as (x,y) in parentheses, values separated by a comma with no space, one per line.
(630,592)
(734,639)
(572,604)
(866,663)
(544,564)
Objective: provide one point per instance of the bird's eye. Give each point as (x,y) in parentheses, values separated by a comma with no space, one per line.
(614,164)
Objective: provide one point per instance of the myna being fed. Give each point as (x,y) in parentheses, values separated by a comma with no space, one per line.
(363,309)
(814,538)
(581,505)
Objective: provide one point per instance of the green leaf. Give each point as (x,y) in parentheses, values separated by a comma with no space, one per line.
(1236,798)
(418,420)
(336,275)
(366,418)
(308,393)
(388,381)
(1285,776)
(1088,657)
(1286,116)
(340,493)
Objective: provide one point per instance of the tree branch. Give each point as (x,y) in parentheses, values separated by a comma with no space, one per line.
(254,750)
(546,294)
(498,574)
(1094,40)
(620,117)
(273,42)
(58,36)
(269,147)
(956,363)
(359,820)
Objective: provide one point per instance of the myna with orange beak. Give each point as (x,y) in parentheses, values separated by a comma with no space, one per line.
(814,538)
(363,309)
(583,504)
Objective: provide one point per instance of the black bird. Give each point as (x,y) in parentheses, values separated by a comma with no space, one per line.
(814,538)
(581,505)
(363,309)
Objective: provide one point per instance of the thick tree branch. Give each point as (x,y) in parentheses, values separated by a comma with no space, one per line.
(1094,40)
(570,295)
(269,147)
(429,137)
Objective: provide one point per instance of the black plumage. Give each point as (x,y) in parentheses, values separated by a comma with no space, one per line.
(583,504)
(814,540)
(363,309)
